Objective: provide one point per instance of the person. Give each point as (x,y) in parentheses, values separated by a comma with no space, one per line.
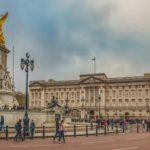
(1,122)
(57,133)
(61,130)
(32,128)
(18,128)
(143,123)
(0,125)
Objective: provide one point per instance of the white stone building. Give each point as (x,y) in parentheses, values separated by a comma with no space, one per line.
(95,94)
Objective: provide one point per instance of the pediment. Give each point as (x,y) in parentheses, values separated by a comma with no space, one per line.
(91,80)
(36,84)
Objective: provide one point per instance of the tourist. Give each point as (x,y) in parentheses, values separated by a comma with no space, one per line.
(32,128)
(61,130)
(1,122)
(57,132)
(143,123)
(18,128)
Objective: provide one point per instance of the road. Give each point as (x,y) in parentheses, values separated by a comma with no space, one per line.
(139,141)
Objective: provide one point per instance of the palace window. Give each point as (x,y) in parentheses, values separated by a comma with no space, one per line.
(113,100)
(139,92)
(107,101)
(146,92)
(36,95)
(140,100)
(107,93)
(1,83)
(114,93)
(39,95)
(61,94)
(120,100)
(127,93)
(32,95)
(133,92)
(133,101)
(126,100)
(78,94)
(72,94)
(120,93)
(56,95)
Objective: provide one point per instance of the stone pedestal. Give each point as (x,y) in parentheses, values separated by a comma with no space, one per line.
(67,119)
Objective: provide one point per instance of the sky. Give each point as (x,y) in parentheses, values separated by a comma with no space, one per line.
(62,36)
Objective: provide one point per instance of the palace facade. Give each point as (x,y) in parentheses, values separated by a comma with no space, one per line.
(95,94)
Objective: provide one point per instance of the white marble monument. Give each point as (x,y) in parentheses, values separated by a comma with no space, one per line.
(7,99)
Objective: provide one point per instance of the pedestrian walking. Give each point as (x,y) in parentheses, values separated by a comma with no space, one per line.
(61,130)
(143,123)
(1,122)
(32,129)
(57,132)
(18,128)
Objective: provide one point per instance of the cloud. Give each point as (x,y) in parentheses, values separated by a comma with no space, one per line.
(63,36)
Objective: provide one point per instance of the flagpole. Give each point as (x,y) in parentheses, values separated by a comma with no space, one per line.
(94,59)
(94,66)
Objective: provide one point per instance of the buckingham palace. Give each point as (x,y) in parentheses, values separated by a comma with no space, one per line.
(95,94)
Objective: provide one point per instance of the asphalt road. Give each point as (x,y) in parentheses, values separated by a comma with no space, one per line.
(139,141)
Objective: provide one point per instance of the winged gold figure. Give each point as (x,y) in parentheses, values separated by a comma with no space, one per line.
(2,20)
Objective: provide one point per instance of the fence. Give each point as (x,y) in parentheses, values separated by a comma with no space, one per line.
(79,130)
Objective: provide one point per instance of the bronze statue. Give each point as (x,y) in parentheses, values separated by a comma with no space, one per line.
(2,20)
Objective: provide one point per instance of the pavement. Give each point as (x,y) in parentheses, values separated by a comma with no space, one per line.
(123,141)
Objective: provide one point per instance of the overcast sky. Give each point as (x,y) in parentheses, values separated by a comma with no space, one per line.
(63,36)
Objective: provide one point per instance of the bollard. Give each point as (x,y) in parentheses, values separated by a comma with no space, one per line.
(116,129)
(96,130)
(24,133)
(137,127)
(74,130)
(6,132)
(86,130)
(43,132)
(123,128)
(105,130)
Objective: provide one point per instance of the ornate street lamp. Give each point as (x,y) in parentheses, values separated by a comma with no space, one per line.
(26,64)
(66,108)
(99,101)
(82,107)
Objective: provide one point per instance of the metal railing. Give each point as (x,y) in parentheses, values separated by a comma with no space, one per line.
(76,130)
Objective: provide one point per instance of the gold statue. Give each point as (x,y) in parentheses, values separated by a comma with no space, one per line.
(2,20)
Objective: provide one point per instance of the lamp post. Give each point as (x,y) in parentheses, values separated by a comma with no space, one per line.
(99,101)
(66,108)
(82,107)
(26,64)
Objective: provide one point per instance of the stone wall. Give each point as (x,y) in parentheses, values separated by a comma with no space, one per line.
(39,117)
